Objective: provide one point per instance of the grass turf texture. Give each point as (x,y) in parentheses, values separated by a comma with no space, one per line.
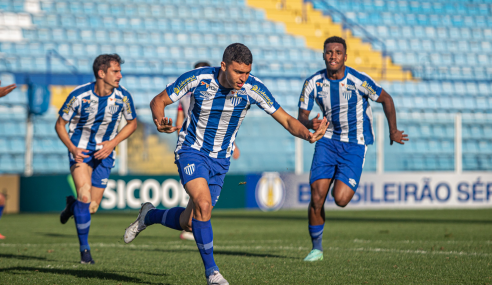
(360,247)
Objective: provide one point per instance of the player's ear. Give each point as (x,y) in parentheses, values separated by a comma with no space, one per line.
(223,66)
(101,73)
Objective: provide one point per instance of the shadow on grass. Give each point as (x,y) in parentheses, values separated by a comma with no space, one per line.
(217,252)
(77,273)
(22,257)
(350,219)
(55,235)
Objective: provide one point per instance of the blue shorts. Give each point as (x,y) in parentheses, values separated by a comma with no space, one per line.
(193,164)
(100,168)
(339,160)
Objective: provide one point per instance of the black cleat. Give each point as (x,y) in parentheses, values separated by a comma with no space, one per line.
(86,258)
(67,212)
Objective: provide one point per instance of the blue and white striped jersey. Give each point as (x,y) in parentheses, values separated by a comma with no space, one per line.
(216,112)
(94,119)
(344,104)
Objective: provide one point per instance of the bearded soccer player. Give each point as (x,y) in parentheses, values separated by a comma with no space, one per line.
(342,94)
(220,98)
(93,112)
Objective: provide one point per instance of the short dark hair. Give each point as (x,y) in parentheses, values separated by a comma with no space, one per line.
(337,40)
(103,62)
(239,53)
(201,64)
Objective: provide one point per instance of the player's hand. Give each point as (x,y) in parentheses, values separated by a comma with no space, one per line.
(105,151)
(398,136)
(6,89)
(165,125)
(236,153)
(315,122)
(320,132)
(79,154)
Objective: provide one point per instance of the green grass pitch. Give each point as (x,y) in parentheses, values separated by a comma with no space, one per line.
(360,247)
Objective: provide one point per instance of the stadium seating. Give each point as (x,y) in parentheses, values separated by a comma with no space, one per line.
(160,39)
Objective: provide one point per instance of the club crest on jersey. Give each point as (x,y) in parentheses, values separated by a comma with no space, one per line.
(113,109)
(189,169)
(235,100)
(347,95)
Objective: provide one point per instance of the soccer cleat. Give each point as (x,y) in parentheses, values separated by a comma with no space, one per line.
(186,236)
(139,225)
(2,236)
(216,279)
(86,258)
(67,212)
(314,255)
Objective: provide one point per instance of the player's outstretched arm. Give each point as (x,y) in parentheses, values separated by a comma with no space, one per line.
(390,112)
(297,129)
(6,89)
(109,146)
(157,105)
(77,153)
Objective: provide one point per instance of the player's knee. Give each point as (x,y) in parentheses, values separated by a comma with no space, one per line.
(93,207)
(2,200)
(342,202)
(84,194)
(203,207)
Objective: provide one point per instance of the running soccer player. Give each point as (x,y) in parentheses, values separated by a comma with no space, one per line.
(342,94)
(220,99)
(94,111)
(2,205)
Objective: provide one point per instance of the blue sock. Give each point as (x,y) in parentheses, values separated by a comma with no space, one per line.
(204,238)
(1,210)
(168,218)
(316,233)
(82,223)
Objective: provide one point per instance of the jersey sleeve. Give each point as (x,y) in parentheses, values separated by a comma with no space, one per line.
(262,97)
(306,100)
(369,87)
(129,107)
(182,85)
(70,108)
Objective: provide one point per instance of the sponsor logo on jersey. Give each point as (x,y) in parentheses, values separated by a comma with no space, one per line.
(352,182)
(347,95)
(189,169)
(304,87)
(89,101)
(262,94)
(210,87)
(270,192)
(368,88)
(90,109)
(323,93)
(180,86)
(126,101)
(350,87)
(322,84)
(302,98)
(69,105)
(118,101)
(242,92)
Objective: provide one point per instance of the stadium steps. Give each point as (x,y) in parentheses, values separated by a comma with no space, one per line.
(302,19)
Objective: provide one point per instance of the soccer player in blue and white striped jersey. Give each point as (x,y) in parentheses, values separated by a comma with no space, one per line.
(93,112)
(220,98)
(342,94)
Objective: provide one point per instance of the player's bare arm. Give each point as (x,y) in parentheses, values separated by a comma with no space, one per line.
(390,112)
(109,146)
(6,89)
(297,129)
(157,105)
(61,130)
(303,117)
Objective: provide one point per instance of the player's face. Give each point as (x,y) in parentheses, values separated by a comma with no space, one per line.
(334,56)
(113,75)
(236,74)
